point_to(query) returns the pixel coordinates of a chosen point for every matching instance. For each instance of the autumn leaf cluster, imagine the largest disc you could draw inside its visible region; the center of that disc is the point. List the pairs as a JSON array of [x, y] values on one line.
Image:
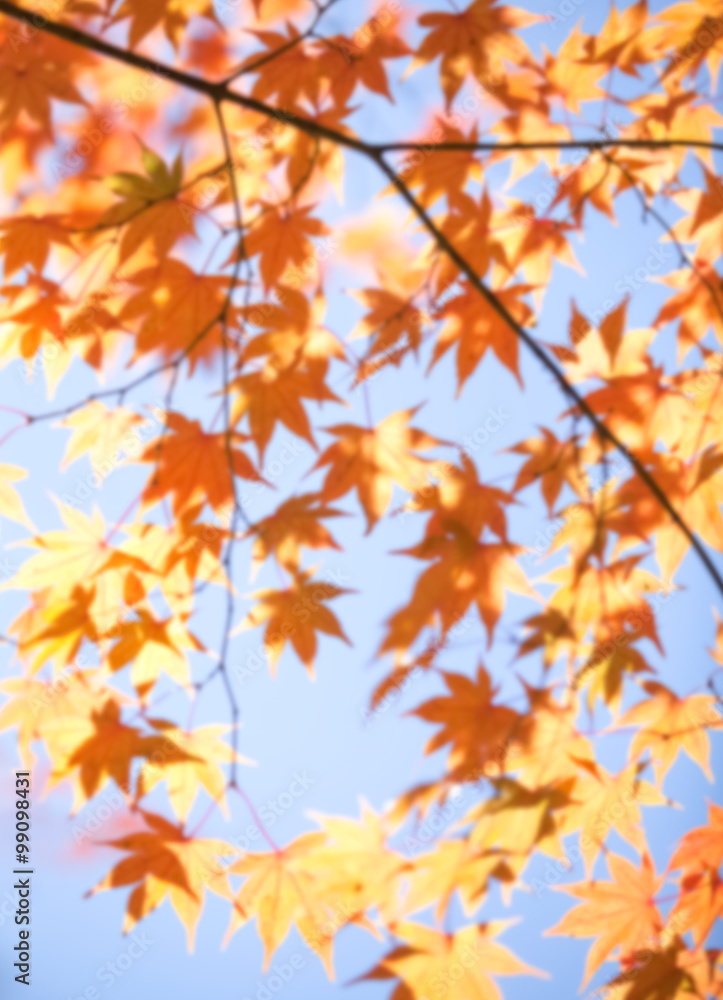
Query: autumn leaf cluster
[[172, 179]]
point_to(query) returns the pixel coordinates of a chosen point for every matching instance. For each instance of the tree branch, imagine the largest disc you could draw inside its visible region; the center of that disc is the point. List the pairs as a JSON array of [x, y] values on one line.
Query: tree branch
[[568, 389], [219, 92]]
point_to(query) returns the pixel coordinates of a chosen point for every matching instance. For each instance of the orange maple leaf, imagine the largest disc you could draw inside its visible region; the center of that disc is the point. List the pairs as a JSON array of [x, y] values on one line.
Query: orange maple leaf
[[295, 615], [371, 460], [195, 465], [620, 913]]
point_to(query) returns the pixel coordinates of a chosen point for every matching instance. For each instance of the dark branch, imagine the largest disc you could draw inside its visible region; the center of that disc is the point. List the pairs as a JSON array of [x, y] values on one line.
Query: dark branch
[[219, 92]]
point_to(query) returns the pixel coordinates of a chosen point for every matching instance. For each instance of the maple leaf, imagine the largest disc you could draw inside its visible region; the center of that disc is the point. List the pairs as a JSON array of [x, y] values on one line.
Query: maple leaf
[[275, 395], [320, 882], [553, 463], [291, 75], [392, 317], [10, 503], [178, 556], [193, 761], [36, 322], [693, 305], [81, 552], [682, 28], [589, 183], [295, 615], [174, 14], [101, 433], [167, 863], [469, 226], [670, 973], [531, 244], [702, 846], [453, 866], [98, 747], [567, 75], [27, 239], [549, 631], [294, 336], [592, 356], [31, 75], [529, 124], [476, 40], [176, 309], [149, 209], [439, 173], [426, 958], [604, 669], [516, 821], [610, 598], [55, 629], [195, 465], [474, 326], [154, 647], [279, 892], [310, 157], [295, 523], [281, 236], [699, 905], [358, 869], [670, 724], [32, 704], [604, 802], [585, 527], [708, 210], [471, 721], [461, 497], [370, 460], [548, 748], [464, 572], [695, 489], [620, 913], [345, 64], [622, 41]]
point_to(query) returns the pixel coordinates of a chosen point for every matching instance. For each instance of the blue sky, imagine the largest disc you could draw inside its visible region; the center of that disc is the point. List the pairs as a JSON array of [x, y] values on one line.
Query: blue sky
[[292, 726]]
